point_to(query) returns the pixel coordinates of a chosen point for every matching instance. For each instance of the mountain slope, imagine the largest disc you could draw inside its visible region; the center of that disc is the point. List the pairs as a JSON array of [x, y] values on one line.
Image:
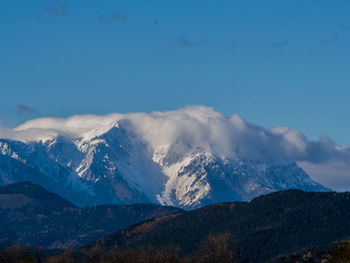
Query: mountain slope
[[31, 215], [268, 226]]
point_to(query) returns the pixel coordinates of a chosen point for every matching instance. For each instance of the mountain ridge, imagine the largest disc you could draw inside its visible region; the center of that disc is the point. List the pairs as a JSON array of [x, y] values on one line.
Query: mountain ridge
[[269, 226], [115, 164]]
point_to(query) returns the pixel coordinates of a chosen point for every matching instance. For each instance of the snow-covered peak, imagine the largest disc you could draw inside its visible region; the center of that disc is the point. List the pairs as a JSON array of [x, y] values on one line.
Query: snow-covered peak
[[189, 157]]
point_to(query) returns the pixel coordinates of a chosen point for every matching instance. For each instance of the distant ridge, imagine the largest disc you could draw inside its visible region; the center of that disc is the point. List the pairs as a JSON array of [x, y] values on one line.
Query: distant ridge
[[31, 215], [35, 192]]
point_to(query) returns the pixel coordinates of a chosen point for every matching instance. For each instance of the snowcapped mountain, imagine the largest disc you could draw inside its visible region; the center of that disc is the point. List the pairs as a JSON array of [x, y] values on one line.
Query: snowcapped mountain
[[113, 160]]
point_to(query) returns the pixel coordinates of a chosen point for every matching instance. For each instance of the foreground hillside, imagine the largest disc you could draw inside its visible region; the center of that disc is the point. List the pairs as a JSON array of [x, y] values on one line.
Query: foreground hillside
[[277, 224], [286, 226], [31, 215]]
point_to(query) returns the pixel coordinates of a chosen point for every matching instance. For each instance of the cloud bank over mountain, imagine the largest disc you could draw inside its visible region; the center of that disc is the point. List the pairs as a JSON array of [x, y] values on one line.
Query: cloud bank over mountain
[[203, 127]]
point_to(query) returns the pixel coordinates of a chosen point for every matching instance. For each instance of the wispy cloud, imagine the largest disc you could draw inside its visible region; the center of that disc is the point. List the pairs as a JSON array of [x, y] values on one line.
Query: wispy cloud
[[234, 46], [343, 27], [102, 19], [185, 42], [278, 44], [12, 20], [118, 17], [332, 39], [113, 17], [57, 8], [26, 110]]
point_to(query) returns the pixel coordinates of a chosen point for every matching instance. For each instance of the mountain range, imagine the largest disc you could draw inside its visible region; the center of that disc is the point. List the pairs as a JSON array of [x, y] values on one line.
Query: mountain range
[[115, 164]]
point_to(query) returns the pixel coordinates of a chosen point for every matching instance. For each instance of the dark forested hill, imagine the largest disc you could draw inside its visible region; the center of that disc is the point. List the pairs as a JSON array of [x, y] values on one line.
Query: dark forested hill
[[31, 215], [279, 223]]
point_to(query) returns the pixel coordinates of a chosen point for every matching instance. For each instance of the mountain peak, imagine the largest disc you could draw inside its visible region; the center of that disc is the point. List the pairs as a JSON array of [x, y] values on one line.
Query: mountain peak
[[187, 158]]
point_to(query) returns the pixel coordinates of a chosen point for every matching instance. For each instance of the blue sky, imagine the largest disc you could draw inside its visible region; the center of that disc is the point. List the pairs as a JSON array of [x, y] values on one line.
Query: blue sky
[[272, 62]]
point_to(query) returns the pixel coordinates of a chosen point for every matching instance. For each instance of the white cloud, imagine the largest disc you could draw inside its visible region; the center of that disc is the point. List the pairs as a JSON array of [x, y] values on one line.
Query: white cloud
[[333, 174], [202, 127]]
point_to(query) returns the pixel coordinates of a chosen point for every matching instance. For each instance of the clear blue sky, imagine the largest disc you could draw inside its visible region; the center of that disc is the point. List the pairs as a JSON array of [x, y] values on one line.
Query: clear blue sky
[[273, 62]]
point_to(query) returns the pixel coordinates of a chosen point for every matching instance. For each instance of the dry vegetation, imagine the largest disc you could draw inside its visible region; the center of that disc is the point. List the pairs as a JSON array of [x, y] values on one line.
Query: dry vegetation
[[214, 248]]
